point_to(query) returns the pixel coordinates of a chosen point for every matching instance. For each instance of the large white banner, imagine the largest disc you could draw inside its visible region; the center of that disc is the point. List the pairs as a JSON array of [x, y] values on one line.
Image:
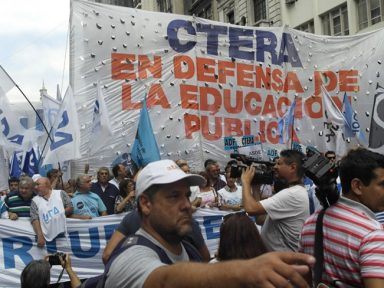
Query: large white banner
[[206, 81], [85, 244]]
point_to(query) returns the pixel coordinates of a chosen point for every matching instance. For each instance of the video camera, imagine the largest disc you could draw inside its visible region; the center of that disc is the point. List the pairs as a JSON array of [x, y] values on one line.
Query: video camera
[[264, 172], [324, 174]]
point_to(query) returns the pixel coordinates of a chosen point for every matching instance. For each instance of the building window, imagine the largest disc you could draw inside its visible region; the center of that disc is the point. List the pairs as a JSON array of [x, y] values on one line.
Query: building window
[[307, 27], [335, 22], [369, 12], [165, 5], [231, 17], [260, 10], [206, 12]]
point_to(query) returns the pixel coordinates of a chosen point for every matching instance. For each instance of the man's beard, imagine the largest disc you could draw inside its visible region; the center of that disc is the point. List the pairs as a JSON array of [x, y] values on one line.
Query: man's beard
[[175, 235]]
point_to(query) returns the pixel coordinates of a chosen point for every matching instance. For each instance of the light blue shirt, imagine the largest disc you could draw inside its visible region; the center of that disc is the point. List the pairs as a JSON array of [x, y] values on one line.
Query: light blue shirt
[[88, 204]]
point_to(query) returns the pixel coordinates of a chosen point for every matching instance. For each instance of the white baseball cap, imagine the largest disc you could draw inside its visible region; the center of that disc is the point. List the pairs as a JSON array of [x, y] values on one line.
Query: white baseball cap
[[164, 172], [36, 177]]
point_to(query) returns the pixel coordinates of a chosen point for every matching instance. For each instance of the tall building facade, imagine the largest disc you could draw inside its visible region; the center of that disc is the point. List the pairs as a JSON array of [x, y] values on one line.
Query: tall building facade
[[327, 17]]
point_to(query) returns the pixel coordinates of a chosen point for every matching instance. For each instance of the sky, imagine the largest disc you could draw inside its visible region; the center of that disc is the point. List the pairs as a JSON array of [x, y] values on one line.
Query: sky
[[33, 46]]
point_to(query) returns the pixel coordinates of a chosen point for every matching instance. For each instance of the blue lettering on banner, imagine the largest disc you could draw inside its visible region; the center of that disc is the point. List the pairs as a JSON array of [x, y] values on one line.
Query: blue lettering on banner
[[65, 138], [76, 245], [49, 215], [10, 252], [213, 32], [212, 226], [231, 143], [51, 245], [109, 229], [242, 43], [172, 32], [239, 38], [296, 146], [272, 153]]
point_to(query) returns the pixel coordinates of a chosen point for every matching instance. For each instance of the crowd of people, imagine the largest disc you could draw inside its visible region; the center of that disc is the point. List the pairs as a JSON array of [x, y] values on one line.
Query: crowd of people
[[159, 229]]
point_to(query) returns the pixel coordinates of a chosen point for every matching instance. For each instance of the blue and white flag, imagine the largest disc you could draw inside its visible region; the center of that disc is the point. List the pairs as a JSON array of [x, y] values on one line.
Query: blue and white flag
[[144, 149], [51, 109], [285, 124], [15, 170], [65, 144], [352, 127], [334, 123], [14, 136], [31, 163], [101, 131]]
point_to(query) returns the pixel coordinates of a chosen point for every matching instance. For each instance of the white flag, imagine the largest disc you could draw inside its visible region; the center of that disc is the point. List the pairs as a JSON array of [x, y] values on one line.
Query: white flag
[[334, 122], [65, 144], [6, 82], [4, 171], [101, 125]]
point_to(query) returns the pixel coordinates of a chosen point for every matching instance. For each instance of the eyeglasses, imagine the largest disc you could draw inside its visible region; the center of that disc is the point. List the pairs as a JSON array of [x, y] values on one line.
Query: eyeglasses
[[226, 217]]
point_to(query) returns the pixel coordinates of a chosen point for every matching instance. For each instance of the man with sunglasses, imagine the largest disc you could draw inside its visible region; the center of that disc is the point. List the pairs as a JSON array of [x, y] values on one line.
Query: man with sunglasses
[[285, 211], [162, 192]]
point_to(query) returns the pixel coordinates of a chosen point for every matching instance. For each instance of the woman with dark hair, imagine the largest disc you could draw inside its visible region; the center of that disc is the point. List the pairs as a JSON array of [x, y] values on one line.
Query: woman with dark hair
[[36, 274], [207, 193], [125, 201], [239, 238]]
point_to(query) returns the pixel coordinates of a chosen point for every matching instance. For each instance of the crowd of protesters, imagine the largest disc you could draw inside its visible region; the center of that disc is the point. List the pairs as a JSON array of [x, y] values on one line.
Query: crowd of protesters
[[286, 211]]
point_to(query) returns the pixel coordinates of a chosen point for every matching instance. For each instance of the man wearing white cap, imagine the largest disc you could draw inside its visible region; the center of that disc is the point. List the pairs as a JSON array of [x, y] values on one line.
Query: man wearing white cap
[[162, 191]]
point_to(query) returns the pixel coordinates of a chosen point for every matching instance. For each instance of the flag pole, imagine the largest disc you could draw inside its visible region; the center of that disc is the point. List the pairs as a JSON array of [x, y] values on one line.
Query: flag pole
[[293, 122]]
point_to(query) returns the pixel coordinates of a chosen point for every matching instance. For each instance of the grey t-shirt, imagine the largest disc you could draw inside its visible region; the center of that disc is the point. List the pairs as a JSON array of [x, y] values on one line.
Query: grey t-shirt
[[133, 266], [286, 214]]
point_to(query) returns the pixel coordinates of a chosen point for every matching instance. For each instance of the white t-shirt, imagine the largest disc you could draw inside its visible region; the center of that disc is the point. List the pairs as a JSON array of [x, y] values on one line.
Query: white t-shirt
[[51, 215], [286, 213], [231, 198]]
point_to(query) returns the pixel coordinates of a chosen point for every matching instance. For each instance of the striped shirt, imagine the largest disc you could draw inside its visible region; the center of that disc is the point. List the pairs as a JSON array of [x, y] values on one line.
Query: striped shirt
[[380, 217], [353, 243], [16, 204]]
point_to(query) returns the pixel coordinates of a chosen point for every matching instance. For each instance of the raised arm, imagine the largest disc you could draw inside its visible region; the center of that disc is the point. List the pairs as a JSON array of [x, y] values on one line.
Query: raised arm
[[251, 204], [269, 270]]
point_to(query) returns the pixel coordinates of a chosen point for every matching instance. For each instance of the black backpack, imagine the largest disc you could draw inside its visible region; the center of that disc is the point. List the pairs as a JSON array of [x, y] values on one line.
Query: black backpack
[[130, 241]]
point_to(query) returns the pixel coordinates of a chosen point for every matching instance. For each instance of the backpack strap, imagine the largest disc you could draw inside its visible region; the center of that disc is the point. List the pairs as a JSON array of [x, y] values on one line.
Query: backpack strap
[[130, 241], [193, 254]]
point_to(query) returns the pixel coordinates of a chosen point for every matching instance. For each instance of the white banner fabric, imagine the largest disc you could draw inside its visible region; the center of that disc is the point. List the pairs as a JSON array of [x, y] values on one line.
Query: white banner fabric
[[85, 244], [207, 80]]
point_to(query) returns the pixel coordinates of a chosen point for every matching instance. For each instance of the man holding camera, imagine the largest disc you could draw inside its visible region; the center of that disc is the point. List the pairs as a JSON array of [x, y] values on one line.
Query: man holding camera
[[285, 211], [352, 241]]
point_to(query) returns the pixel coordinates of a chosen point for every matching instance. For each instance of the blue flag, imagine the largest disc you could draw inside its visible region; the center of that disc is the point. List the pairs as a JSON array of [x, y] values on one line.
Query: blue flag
[[15, 170], [144, 149], [285, 124], [31, 163]]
